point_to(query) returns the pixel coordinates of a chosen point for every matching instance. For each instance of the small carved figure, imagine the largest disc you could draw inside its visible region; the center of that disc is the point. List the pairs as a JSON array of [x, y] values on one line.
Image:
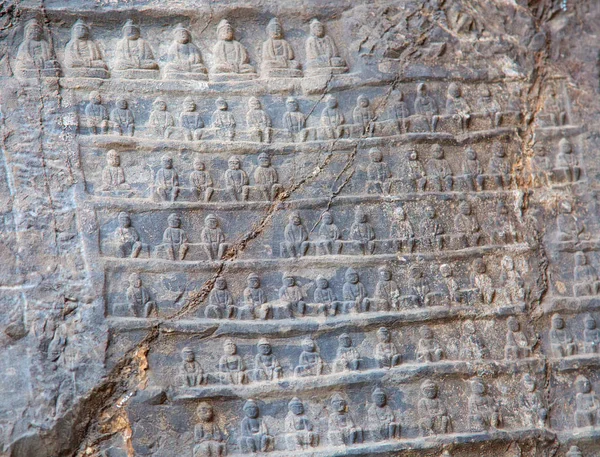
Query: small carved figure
[[329, 236], [418, 289], [201, 181], [220, 302], [401, 231], [332, 119], [387, 292], [190, 371], [426, 106], [431, 231], [236, 180], [258, 121], [439, 173], [587, 404], [133, 52], [386, 352], [231, 365], [295, 237], [254, 433], [472, 346], [96, 114], [278, 58], [455, 294], [569, 227], [266, 365], [166, 182], [255, 299], [382, 420], [567, 162], [433, 415], [291, 294], [466, 226], [428, 349], [223, 121], [483, 410], [503, 228], [354, 293], [175, 240], [310, 362], [213, 238], [294, 121], [35, 56], [126, 238], [517, 346], [83, 55], [321, 52], [513, 286], [300, 433], [363, 116], [347, 357], [113, 176], [499, 167], [585, 277], [266, 178], [139, 299], [532, 405], [161, 121], [490, 108], [208, 437], [362, 232], [230, 55], [183, 55], [378, 174], [342, 429], [122, 118], [561, 339], [541, 168], [401, 111], [591, 335], [325, 296], [190, 120], [472, 171], [415, 172], [554, 107], [457, 107], [482, 282]]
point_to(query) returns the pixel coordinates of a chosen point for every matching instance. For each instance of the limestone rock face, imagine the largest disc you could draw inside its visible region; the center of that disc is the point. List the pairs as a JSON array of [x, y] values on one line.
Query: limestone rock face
[[299, 228]]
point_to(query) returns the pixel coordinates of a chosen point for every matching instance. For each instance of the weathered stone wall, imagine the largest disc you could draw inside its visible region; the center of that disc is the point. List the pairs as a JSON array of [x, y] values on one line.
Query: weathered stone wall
[[321, 228]]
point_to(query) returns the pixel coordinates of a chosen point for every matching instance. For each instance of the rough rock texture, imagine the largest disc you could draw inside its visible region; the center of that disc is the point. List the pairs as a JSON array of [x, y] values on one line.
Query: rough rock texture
[[326, 228]]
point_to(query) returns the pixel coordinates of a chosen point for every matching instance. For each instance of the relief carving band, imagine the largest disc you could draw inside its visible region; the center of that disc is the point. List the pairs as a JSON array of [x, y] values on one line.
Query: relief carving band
[[328, 228]]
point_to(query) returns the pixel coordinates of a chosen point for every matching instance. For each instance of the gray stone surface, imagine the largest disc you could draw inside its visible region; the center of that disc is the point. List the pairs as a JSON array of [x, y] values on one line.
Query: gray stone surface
[[317, 228]]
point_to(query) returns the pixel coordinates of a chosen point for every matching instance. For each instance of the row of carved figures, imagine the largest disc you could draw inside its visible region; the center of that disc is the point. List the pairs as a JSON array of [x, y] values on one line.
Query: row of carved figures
[[299, 431], [134, 57], [292, 300], [333, 124]]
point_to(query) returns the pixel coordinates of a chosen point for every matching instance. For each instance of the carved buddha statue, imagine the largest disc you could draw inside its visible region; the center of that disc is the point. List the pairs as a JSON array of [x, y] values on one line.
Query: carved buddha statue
[[184, 58], [35, 56], [322, 53], [82, 55], [230, 56], [278, 58]]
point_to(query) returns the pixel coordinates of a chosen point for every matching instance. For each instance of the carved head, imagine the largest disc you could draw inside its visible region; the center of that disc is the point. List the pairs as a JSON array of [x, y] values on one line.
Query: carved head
[[415, 272], [181, 34], [254, 103], [205, 412], [33, 30], [589, 322], [564, 146], [124, 219], [130, 30], [454, 90], [331, 102], [426, 333], [122, 103], [508, 264], [430, 212], [288, 279], [558, 322], [338, 404], [198, 164], [565, 207], [264, 160], [225, 30], [113, 158], [583, 384], [412, 155], [513, 324], [322, 282], [485, 92], [135, 280], [187, 354], [399, 213], [399, 95], [379, 397], [499, 150], [477, 386], [264, 347], [437, 151], [383, 335], [80, 30], [167, 162], [580, 259], [429, 389], [375, 155], [422, 89], [351, 276], [345, 340], [211, 221], [468, 327], [465, 208], [253, 281], [362, 101], [174, 221], [221, 104], [479, 266], [296, 406], [308, 345], [159, 104], [385, 274], [189, 105], [529, 382], [275, 29], [471, 154], [316, 28], [233, 163], [446, 270], [251, 409], [501, 208], [221, 283], [95, 97], [229, 347], [327, 218], [360, 215], [292, 104], [295, 218]]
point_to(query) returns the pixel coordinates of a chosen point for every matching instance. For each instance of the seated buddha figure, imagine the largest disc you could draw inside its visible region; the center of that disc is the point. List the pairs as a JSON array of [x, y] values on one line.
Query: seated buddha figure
[[230, 55], [277, 54], [82, 55], [135, 58], [35, 56], [321, 52], [184, 57]]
